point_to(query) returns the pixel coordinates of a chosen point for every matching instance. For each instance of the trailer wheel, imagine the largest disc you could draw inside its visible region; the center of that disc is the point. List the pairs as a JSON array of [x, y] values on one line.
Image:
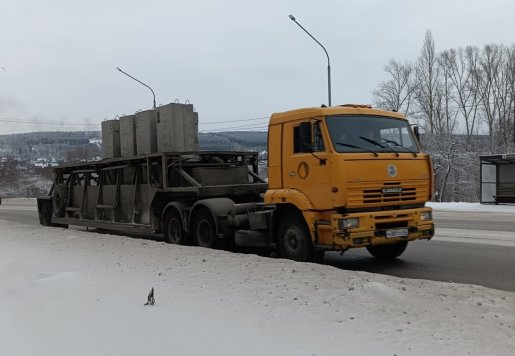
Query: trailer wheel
[[173, 228], [46, 214], [204, 229], [59, 199], [387, 252], [294, 238]]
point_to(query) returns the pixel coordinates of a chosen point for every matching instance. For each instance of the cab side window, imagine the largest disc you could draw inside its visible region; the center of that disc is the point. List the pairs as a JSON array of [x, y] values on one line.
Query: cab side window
[[317, 141]]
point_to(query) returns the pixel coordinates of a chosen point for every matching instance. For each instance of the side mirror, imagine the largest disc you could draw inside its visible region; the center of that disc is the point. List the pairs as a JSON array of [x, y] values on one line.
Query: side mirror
[[305, 137], [416, 132]]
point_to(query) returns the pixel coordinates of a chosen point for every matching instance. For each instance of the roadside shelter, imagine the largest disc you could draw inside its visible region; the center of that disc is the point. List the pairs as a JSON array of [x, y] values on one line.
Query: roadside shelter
[[497, 174]]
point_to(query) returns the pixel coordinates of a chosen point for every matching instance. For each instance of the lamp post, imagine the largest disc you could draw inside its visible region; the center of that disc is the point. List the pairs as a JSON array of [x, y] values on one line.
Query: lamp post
[[139, 81], [328, 62]]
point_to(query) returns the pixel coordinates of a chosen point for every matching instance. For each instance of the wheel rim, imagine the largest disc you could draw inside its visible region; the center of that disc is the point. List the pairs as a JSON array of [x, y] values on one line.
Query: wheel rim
[[294, 241], [174, 231], [204, 233]]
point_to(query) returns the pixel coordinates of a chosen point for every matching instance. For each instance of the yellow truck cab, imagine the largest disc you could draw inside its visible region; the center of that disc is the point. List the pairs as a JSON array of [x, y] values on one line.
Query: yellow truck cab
[[347, 176]]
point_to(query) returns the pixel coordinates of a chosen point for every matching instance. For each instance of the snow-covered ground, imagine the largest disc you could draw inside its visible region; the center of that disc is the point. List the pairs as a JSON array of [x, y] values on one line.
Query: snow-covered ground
[[473, 207], [68, 292]]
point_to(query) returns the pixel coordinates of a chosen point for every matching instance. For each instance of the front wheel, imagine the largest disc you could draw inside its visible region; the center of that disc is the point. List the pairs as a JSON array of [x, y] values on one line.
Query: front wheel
[[388, 252], [294, 238]]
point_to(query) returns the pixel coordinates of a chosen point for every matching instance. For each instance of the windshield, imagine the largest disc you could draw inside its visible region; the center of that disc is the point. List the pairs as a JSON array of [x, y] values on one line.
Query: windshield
[[361, 133]]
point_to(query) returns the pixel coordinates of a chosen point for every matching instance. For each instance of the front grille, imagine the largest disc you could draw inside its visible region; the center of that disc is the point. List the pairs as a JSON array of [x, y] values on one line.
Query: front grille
[[390, 193], [380, 196]]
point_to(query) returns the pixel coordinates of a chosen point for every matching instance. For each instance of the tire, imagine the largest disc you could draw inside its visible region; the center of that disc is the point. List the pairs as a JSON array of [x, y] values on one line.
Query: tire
[[388, 252], [46, 214], [59, 200], [204, 229], [173, 228], [294, 238]]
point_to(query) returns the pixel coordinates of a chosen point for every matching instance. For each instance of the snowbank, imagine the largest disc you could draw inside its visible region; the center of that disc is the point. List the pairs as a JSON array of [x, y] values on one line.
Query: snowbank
[[65, 292]]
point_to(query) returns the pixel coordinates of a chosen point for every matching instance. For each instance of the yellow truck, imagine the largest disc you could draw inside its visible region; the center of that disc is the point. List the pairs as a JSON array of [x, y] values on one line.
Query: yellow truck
[[339, 177], [344, 177]]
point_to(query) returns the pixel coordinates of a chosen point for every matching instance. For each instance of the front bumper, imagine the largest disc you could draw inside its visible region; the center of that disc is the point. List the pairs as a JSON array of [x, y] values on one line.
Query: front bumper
[[382, 227]]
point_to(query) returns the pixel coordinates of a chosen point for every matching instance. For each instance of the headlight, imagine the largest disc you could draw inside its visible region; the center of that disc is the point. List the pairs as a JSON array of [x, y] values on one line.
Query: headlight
[[350, 223], [426, 216]]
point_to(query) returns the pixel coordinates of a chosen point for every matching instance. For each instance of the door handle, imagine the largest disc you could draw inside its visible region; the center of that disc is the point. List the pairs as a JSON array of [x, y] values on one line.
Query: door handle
[[292, 174]]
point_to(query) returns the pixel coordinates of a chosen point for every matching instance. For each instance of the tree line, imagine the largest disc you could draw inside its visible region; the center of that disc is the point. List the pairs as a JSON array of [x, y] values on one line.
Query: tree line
[[464, 101]]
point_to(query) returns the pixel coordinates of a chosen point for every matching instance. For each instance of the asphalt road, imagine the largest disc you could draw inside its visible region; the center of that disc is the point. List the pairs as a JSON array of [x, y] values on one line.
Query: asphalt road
[[475, 221], [471, 263]]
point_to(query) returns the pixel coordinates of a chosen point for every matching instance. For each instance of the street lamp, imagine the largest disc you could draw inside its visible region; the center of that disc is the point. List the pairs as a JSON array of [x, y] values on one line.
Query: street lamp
[[328, 62], [139, 81]]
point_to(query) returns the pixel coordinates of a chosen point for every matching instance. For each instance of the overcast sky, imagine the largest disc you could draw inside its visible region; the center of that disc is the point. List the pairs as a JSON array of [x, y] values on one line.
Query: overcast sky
[[233, 59]]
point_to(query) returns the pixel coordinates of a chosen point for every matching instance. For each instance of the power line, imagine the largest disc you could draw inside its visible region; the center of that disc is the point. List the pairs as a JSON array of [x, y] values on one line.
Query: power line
[[228, 121], [232, 129], [64, 123], [44, 123]]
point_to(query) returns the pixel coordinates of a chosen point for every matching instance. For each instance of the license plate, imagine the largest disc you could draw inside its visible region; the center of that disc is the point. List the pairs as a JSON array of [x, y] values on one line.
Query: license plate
[[396, 233]]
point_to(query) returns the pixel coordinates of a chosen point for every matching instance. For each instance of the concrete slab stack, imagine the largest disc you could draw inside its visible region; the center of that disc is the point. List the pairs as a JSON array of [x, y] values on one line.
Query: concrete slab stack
[[111, 139], [128, 136], [170, 128]]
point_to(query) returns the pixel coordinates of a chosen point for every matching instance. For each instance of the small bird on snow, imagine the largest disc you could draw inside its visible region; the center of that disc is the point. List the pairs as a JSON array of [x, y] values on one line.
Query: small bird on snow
[[150, 298]]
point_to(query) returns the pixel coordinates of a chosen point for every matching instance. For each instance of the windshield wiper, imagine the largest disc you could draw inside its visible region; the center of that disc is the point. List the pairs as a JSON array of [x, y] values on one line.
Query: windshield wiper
[[374, 142], [359, 148], [398, 144]]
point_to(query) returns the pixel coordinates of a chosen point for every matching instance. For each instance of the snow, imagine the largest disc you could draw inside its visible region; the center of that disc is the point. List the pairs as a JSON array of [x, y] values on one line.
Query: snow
[[472, 207], [71, 292]]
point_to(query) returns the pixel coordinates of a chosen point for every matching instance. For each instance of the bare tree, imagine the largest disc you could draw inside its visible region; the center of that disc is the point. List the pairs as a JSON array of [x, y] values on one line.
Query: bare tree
[[396, 93], [427, 73], [459, 67], [456, 95], [489, 66]]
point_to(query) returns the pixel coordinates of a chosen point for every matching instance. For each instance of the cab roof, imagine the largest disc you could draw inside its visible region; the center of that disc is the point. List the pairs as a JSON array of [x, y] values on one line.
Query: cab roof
[[347, 109]]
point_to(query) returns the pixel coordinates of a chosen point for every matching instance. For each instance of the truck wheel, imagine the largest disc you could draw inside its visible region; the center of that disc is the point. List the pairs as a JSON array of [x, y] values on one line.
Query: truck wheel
[[59, 199], [204, 229], [387, 252], [46, 214], [173, 228], [294, 239]]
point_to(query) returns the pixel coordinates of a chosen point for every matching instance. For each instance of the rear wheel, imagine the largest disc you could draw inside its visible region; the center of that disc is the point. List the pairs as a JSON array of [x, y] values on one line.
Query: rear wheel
[[59, 199], [173, 228], [204, 229], [46, 214], [294, 238], [387, 252]]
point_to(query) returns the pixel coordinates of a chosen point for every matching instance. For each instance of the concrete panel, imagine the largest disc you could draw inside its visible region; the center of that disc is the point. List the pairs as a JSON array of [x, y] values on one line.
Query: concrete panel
[[146, 134], [128, 136], [177, 128], [191, 132], [111, 139]]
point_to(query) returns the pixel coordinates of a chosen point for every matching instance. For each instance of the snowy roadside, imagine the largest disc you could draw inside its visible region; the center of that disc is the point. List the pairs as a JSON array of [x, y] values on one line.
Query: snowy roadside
[[498, 238], [464, 207], [65, 292], [472, 207]]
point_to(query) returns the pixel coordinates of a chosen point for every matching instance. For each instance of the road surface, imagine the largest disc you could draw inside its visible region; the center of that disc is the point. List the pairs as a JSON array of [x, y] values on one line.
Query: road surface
[[469, 247]]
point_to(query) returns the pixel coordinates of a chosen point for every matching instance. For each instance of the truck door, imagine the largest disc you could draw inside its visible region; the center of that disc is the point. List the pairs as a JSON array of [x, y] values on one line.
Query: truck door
[[306, 167]]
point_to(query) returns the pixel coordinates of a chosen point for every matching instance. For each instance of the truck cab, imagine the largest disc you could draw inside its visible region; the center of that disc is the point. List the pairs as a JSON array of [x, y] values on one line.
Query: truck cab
[[347, 176]]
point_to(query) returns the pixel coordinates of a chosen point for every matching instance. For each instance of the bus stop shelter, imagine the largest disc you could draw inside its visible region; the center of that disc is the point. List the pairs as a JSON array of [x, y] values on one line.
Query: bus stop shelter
[[497, 178]]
